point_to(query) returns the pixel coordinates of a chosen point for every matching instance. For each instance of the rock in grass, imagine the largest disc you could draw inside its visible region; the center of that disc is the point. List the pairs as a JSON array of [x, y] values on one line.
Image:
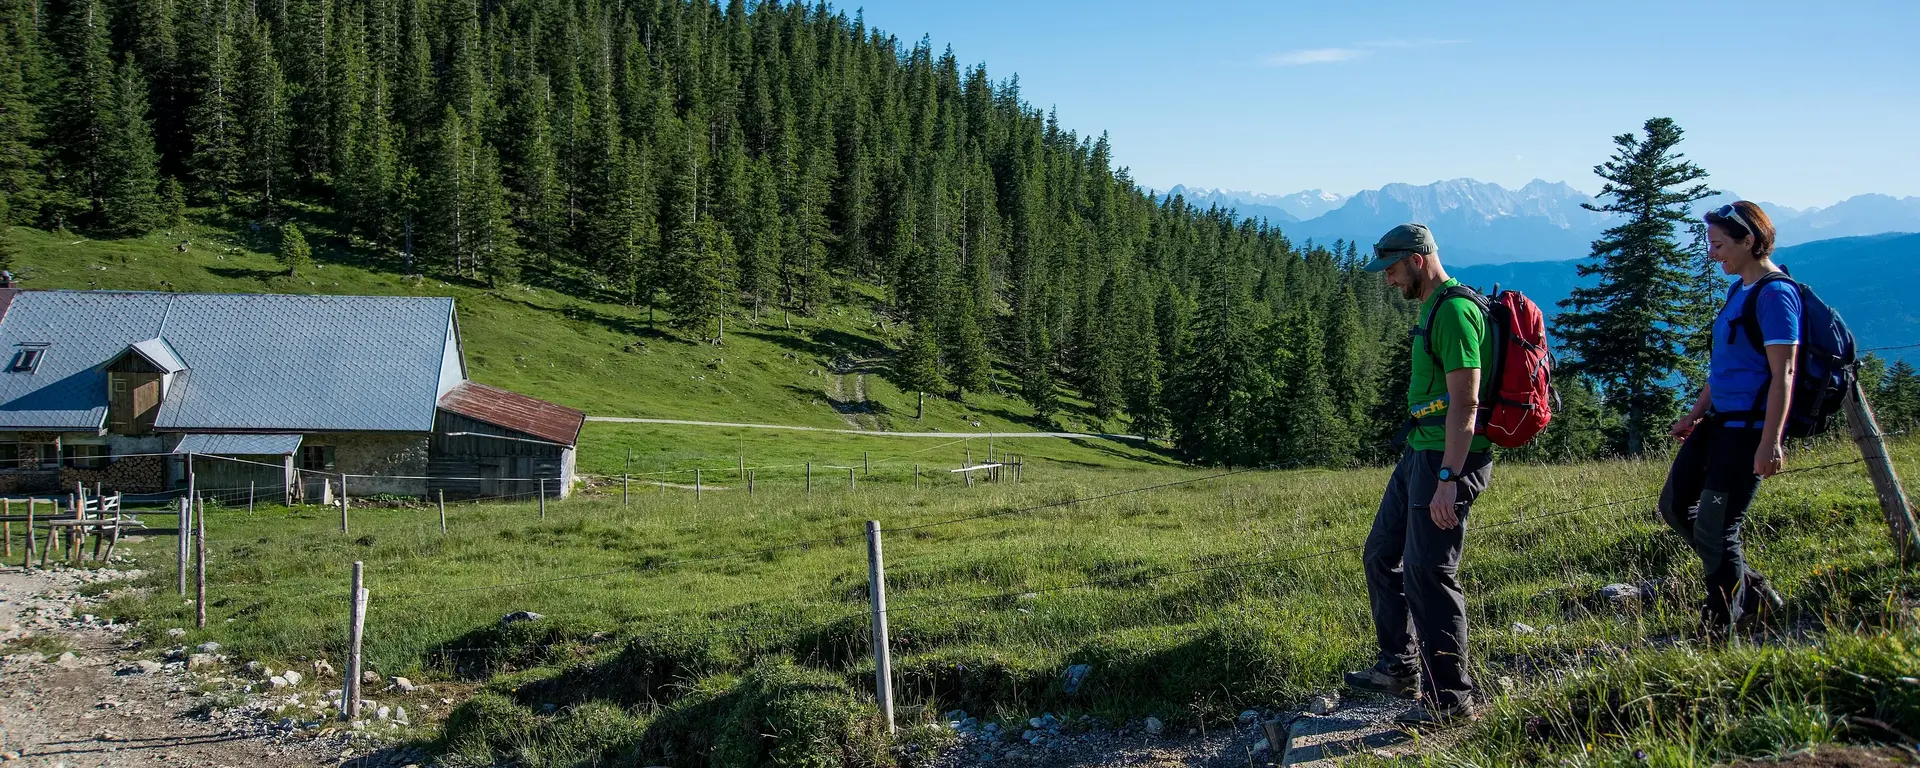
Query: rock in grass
[[1323, 704], [404, 685], [1523, 629], [321, 667], [176, 632], [67, 661], [199, 660], [520, 616], [209, 647], [1154, 726], [1250, 717], [277, 681], [1620, 595], [1076, 675], [292, 677]]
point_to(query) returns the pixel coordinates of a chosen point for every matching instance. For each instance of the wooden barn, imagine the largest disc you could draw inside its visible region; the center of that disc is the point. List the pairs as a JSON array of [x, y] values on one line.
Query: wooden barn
[[294, 394], [489, 442]]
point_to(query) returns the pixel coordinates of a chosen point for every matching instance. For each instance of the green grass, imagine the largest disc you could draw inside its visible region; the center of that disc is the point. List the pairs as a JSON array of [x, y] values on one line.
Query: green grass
[[1191, 602], [650, 658]]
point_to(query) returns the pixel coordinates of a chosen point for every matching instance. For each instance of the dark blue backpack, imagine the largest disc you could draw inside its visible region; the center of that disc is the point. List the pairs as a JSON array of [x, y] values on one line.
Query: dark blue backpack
[[1824, 368]]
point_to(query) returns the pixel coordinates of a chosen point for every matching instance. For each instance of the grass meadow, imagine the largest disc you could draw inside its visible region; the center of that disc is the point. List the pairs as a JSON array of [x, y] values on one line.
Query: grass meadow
[[672, 634]]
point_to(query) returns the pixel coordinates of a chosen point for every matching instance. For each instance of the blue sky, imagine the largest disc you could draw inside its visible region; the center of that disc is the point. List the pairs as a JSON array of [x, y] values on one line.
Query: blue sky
[[1793, 103]]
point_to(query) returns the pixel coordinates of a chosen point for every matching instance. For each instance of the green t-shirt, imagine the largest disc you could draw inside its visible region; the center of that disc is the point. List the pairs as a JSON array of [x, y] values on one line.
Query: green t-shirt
[[1459, 335]]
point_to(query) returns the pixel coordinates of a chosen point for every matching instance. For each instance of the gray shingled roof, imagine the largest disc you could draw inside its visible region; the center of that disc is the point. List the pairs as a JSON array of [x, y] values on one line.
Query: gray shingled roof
[[248, 444], [254, 361]]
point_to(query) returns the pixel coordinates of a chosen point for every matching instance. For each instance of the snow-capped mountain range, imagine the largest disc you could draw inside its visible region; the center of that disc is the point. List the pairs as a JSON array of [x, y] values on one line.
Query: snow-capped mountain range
[[1483, 223]]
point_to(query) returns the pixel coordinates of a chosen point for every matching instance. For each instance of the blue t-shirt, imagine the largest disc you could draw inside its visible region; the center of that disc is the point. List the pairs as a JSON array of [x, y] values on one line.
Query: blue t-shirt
[[1738, 375]]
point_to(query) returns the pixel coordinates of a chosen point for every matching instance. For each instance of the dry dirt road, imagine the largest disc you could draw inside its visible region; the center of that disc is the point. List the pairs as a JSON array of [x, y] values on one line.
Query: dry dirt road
[[73, 695]]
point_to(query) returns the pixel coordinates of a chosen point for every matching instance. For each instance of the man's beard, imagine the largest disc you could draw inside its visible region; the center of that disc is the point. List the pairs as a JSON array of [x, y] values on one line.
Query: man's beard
[[1410, 291]]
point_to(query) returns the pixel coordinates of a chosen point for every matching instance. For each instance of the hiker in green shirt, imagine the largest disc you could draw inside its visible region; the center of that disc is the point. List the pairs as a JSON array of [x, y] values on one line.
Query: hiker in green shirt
[[1412, 555]]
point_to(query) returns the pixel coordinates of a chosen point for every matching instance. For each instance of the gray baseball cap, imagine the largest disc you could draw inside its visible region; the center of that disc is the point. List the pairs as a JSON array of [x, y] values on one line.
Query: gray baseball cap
[[1400, 241]]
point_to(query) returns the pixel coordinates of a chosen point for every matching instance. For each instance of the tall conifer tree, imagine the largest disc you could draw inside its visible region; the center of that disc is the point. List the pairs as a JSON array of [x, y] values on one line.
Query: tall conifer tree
[[1631, 332]]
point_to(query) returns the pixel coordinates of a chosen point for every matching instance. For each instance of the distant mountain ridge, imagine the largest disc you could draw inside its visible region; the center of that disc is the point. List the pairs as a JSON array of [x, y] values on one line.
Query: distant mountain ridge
[[1480, 222], [1865, 278]]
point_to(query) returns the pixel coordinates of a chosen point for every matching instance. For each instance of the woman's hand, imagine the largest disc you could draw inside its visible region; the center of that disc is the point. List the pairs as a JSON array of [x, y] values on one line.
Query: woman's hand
[[1768, 460], [1684, 427]]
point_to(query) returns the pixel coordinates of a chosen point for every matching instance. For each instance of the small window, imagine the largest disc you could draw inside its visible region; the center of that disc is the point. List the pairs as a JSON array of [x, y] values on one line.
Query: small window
[[10, 456], [316, 458], [81, 456], [29, 357]]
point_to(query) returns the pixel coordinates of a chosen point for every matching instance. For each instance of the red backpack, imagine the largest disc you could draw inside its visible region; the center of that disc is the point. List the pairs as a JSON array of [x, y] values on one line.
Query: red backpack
[[1516, 389]]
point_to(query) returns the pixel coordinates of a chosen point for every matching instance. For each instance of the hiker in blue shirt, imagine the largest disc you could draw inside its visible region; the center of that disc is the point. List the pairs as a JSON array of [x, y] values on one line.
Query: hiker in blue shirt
[[1732, 435]]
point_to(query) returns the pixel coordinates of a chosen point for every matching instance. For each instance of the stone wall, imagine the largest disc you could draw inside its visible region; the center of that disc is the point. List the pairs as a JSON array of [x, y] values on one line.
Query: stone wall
[[377, 453]]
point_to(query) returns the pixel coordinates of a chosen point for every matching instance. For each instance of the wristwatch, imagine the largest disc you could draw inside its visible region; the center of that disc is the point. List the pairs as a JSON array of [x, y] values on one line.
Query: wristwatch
[[1448, 476]]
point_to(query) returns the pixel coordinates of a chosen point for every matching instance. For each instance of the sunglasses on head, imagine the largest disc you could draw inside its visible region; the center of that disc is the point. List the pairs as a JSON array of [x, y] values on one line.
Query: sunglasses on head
[[1731, 212]]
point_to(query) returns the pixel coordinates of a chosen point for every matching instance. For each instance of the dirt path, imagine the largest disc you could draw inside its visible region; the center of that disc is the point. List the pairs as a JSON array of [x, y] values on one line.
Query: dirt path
[[1361, 727], [88, 703]]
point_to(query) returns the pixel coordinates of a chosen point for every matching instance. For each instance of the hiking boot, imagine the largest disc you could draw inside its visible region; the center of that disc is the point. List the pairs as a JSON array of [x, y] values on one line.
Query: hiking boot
[[1753, 601], [1372, 680], [1426, 715]]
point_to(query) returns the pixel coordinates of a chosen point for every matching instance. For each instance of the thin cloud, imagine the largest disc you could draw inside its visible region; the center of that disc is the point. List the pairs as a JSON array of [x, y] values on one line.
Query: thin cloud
[[1307, 56], [1313, 56]]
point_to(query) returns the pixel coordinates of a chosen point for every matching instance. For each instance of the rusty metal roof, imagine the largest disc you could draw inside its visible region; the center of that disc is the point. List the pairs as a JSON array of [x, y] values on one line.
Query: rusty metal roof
[[515, 411]]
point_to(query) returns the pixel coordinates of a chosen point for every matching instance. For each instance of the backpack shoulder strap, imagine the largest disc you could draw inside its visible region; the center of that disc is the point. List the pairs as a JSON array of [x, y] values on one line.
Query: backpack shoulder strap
[[1749, 320], [1425, 329]]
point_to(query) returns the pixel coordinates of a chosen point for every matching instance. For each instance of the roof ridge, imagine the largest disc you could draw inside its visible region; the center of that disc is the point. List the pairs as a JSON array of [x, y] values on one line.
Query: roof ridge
[[97, 292]]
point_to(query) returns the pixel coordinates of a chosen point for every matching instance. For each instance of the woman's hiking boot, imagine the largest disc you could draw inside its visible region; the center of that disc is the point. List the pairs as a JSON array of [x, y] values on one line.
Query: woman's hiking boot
[[1372, 680], [1752, 602]]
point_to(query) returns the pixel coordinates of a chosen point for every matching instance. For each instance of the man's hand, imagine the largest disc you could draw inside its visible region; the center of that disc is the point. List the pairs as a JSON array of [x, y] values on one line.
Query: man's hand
[[1684, 427], [1441, 508], [1769, 458]]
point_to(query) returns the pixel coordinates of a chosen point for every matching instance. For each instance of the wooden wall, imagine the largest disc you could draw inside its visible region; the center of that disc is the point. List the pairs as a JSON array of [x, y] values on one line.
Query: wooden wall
[[466, 466]]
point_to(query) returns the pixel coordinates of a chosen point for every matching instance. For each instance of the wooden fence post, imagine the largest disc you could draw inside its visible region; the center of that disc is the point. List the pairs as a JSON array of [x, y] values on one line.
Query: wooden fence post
[[250, 498], [626, 480], [27, 561], [8, 505], [749, 482], [356, 629], [343, 502], [186, 537], [866, 462], [850, 483], [809, 477], [916, 477], [696, 484], [441, 494], [200, 567], [882, 651], [543, 498], [1886, 484]]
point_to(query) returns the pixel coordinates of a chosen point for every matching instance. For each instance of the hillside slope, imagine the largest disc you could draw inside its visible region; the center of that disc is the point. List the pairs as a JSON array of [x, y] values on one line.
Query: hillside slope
[[829, 371]]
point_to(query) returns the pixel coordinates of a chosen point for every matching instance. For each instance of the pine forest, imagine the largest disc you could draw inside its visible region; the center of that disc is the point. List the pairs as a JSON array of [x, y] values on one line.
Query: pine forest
[[748, 162]]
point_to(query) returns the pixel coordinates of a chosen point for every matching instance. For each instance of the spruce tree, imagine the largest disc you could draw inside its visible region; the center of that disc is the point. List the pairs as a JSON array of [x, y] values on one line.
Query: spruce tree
[[261, 111], [294, 251], [8, 250], [919, 365], [215, 126], [130, 165], [1631, 332], [1897, 403], [1310, 428], [81, 119], [20, 176]]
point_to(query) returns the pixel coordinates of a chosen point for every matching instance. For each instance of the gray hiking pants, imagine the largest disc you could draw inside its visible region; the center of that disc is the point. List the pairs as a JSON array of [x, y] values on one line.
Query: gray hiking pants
[[1413, 576]]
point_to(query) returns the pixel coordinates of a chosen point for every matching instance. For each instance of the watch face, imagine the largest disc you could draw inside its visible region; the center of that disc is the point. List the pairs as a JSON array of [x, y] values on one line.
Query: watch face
[[1446, 474]]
